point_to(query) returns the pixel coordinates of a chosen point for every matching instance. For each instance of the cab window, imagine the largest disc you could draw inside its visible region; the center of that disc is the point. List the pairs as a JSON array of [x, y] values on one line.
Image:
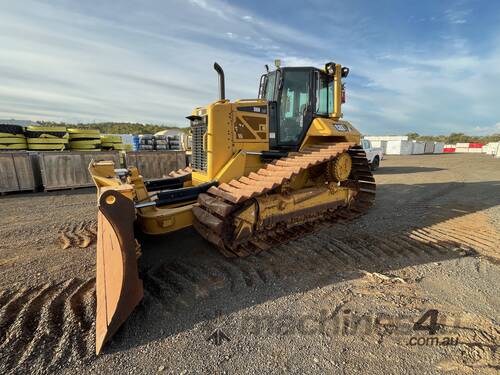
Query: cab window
[[270, 85], [293, 105], [324, 94]]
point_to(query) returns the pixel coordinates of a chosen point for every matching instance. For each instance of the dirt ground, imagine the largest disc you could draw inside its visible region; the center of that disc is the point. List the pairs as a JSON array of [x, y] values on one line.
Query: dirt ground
[[343, 300]]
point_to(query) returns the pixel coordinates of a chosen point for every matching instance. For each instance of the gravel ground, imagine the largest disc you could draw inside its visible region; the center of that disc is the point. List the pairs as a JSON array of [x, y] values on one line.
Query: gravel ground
[[343, 300]]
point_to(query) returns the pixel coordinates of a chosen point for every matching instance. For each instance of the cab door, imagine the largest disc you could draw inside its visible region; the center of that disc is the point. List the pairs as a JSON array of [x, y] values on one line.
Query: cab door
[[291, 114]]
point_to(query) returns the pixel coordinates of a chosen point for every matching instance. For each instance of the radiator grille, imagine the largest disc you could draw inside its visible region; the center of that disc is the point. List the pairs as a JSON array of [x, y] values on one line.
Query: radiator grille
[[199, 157]]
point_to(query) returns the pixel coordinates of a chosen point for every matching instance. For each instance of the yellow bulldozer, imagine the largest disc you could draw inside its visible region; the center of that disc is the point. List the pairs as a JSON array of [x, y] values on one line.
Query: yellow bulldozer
[[263, 172]]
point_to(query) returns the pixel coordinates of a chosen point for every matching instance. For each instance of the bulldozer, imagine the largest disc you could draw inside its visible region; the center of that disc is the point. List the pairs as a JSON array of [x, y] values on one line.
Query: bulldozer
[[263, 172]]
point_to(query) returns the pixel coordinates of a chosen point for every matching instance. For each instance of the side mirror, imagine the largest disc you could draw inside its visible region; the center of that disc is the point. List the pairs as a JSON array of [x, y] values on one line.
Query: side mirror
[[262, 86]]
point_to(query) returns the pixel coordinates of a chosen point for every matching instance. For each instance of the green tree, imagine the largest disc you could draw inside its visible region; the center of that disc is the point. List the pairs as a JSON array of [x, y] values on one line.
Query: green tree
[[118, 127], [412, 136]]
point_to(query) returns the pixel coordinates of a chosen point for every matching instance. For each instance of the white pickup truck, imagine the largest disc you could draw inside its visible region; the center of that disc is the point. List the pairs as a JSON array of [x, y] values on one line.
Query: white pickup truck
[[373, 154]]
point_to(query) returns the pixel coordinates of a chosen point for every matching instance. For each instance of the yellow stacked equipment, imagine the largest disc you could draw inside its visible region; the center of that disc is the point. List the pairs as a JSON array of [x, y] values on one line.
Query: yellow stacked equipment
[[12, 137], [114, 142], [84, 139], [46, 138]]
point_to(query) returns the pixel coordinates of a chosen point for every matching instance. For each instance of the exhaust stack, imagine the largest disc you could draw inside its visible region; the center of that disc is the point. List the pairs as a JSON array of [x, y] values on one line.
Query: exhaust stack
[[222, 87]]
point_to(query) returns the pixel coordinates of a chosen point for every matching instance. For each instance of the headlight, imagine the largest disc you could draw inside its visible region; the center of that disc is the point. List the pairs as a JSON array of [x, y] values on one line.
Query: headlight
[[330, 68]]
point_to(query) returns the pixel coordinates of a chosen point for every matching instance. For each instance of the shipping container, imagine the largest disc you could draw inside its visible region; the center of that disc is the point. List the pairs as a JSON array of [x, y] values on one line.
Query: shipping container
[[386, 138], [19, 171], [462, 145], [399, 147], [438, 147], [461, 149], [418, 147], [429, 147], [449, 149], [381, 144], [491, 148]]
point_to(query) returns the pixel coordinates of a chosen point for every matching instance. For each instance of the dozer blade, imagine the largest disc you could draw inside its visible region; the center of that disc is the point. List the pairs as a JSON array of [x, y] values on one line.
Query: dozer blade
[[118, 286]]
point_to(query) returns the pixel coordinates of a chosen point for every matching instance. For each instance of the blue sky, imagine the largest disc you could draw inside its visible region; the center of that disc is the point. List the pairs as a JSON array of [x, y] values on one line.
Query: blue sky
[[427, 66]]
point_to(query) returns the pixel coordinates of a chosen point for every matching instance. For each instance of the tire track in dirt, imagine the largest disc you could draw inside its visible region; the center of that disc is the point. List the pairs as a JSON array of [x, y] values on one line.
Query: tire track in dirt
[[44, 332], [469, 234], [178, 284], [5, 296], [181, 284], [478, 343], [11, 309], [26, 323], [80, 235], [184, 284], [48, 325]]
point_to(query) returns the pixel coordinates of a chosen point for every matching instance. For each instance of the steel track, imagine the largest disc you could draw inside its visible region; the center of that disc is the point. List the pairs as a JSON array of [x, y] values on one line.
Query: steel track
[[216, 210]]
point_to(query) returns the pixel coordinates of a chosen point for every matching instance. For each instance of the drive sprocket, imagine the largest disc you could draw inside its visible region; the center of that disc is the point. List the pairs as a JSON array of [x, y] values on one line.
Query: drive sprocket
[[339, 169]]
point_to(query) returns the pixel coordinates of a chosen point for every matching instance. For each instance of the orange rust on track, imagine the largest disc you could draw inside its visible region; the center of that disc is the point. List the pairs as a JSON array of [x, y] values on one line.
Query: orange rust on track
[[214, 223]]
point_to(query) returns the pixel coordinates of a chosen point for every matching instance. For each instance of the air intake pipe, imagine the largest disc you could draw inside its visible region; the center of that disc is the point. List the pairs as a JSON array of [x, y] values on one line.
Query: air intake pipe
[[222, 86]]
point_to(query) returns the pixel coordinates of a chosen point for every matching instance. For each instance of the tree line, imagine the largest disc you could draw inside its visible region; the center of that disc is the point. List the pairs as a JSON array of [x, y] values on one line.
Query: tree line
[[455, 138], [117, 127], [137, 128]]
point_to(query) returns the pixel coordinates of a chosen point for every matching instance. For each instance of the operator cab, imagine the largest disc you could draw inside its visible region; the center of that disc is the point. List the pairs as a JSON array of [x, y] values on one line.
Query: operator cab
[[295, 97]]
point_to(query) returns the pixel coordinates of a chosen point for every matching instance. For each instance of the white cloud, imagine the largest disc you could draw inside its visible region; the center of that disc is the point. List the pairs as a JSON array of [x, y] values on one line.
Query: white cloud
[[486, 130], [104, 69], [288, 60], [206, 6], [457, 16], [86, 61]]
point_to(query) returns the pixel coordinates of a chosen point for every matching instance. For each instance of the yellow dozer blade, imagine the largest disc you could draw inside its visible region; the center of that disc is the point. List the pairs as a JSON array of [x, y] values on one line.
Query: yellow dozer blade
[[118, 287]]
